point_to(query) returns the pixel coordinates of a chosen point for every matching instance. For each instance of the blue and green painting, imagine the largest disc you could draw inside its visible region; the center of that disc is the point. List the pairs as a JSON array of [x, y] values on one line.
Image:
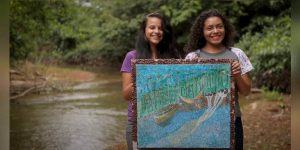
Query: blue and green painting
[[183, 105]]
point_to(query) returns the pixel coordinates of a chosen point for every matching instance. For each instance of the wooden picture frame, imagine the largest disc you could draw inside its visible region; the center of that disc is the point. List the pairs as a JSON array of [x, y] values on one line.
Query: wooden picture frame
[[183, 103]]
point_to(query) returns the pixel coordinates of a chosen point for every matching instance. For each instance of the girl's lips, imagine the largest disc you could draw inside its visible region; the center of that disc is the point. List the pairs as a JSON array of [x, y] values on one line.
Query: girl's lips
[[156, 37], [215, 38]]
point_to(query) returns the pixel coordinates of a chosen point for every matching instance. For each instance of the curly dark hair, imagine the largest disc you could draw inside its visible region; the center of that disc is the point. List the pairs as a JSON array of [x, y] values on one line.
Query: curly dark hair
[[165, 48], [196, 37]]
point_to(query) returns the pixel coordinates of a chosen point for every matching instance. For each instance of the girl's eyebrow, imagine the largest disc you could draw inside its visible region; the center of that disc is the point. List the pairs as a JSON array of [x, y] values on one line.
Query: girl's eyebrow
[[216, 24]]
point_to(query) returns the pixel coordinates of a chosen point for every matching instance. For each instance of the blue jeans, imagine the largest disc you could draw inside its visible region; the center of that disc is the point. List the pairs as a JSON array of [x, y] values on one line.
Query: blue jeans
[[239, 134], [129, 135]]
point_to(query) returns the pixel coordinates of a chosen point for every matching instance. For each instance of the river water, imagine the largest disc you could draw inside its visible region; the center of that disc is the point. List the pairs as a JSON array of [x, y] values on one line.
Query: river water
[[90, 116]]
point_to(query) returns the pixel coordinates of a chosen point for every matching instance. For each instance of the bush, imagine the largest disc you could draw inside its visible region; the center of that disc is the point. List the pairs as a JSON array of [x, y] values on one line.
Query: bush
[[269, 52]]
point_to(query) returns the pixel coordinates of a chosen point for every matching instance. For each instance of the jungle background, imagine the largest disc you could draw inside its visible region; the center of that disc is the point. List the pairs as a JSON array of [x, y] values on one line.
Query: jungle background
[[56, 44]]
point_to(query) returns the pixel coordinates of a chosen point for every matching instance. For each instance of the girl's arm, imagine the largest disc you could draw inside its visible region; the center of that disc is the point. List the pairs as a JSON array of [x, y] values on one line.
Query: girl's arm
[[127, 88], [244, 84], [243, 81]]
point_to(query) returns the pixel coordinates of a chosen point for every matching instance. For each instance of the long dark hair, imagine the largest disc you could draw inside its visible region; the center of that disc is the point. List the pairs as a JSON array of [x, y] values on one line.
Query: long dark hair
[[165, 48], [196, 37]]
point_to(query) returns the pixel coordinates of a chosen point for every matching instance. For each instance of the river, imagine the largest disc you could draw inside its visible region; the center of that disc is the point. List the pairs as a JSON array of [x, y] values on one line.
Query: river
[[90, 116]]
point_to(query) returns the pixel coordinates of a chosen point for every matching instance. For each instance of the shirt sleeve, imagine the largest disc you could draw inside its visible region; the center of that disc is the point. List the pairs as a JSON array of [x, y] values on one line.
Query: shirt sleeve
[[245, 63], [126, 66], [191, 56]]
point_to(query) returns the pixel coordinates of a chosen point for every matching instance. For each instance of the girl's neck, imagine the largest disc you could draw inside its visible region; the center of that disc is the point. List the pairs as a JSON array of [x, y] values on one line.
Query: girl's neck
[[213, 48], [153, 51]]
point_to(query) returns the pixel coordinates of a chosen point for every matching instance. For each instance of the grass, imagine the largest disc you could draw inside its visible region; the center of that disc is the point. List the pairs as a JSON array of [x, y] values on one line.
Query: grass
[[272, 95]]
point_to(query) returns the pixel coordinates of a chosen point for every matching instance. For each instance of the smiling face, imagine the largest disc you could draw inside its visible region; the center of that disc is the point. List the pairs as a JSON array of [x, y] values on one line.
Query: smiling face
[[153, 30], [214, 31]]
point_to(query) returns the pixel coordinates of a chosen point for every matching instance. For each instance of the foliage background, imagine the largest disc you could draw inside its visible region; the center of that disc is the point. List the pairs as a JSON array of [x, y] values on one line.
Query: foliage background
[[100, 32]]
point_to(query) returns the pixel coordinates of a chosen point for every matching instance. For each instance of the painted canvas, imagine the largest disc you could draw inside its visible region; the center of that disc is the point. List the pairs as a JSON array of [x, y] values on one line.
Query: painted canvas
[[183, 104]]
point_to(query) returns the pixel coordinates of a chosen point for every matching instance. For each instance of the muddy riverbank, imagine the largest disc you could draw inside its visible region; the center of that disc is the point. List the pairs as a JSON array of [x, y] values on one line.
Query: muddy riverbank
[[26, 78]]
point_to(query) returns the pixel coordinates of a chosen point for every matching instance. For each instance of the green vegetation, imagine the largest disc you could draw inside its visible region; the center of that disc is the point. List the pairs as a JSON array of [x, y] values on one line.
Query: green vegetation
[[271, 54], [97, 32], [272, 95]]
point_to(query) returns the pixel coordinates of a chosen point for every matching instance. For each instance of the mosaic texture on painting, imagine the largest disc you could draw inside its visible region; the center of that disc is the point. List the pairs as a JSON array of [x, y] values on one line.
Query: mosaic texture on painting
[[183, 105]]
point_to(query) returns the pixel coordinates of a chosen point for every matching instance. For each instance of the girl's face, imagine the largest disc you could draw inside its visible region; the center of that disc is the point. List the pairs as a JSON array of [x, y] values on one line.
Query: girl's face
[[214, 31], [153, 30]]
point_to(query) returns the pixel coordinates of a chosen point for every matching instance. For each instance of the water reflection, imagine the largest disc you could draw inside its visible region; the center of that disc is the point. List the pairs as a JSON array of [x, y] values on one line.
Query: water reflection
[[91, 116]]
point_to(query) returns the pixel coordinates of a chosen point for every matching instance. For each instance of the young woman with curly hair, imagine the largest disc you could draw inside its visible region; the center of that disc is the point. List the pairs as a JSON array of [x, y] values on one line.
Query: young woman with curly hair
[[212, 37]]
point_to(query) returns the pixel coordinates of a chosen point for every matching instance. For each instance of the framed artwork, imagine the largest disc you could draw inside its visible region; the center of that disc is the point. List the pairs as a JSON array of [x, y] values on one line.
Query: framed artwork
[[183, 103]]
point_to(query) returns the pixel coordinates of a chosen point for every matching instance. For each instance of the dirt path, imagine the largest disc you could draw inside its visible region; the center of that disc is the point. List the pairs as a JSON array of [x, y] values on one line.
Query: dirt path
[[267, 124]]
